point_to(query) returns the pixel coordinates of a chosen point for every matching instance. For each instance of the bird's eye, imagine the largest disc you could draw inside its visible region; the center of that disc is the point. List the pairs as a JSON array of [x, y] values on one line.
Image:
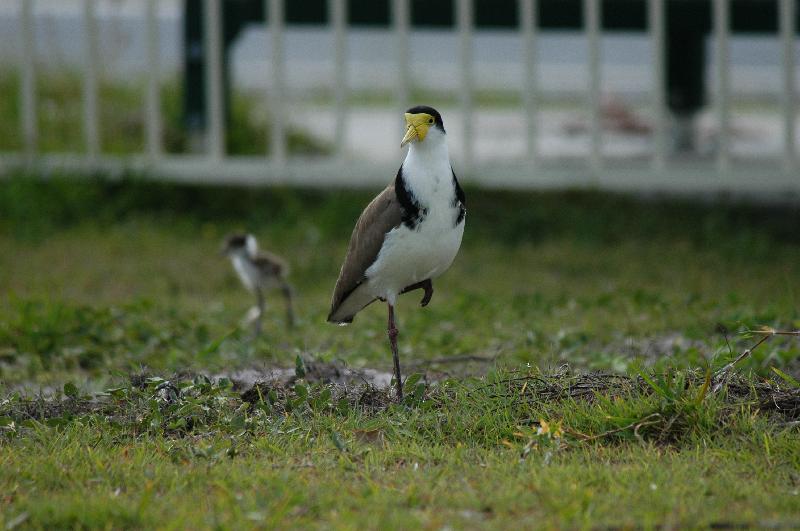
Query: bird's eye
[[430, 120]]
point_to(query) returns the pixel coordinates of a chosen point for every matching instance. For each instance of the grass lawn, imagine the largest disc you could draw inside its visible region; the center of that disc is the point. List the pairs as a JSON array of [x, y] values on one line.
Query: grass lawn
[[116, 305]]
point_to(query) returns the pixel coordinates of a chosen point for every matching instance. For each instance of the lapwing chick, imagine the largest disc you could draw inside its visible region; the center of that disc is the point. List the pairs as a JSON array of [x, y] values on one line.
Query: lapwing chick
[[409, 234], [259, 271]]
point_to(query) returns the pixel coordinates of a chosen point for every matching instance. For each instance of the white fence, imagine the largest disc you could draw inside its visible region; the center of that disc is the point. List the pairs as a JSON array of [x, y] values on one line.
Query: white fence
[[659, 170]]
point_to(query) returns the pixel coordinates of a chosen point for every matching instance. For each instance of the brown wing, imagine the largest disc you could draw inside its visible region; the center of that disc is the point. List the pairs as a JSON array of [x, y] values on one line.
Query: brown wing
[[382, 215], [270, 264]]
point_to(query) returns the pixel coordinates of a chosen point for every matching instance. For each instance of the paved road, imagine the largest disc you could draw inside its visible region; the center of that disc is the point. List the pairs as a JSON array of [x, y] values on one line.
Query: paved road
[[375, 133]]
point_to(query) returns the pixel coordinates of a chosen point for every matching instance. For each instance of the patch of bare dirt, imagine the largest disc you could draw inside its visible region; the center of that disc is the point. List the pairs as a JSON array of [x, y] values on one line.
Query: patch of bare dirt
[[369, 390]]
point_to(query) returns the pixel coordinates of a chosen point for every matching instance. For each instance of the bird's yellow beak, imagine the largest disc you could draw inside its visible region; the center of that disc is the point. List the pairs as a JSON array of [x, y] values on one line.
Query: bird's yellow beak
[[417, 127]]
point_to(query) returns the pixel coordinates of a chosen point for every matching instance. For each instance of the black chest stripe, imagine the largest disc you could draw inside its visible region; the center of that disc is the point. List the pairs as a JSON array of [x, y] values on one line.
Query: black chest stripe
[[413, 214], [460, 200]]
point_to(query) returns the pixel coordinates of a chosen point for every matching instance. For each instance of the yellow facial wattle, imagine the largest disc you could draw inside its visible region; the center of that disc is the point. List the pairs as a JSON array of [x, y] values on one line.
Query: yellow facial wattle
[[417, 127]]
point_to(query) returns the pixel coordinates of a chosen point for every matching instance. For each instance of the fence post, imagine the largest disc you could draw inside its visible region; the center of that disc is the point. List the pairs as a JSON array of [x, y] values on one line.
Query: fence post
[[528, 16], [464, 18], [721, 28], [786, 15], [338, 13], [215, 132], [91, 118], [154, 121], [592, 15], [400, 19], [657, 23], [277, 112], [28, 90]]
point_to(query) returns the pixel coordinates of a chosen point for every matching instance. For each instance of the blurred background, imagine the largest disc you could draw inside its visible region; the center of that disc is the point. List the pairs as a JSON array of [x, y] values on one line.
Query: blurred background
[[686, 96]]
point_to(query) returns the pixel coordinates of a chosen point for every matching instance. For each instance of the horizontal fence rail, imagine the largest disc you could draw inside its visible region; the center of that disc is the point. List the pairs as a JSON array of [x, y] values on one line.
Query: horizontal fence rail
[[664, 169]]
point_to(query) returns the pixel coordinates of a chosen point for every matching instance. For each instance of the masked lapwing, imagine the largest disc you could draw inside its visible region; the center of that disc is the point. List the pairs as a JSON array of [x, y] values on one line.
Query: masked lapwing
[[259, 271], [409, 234]]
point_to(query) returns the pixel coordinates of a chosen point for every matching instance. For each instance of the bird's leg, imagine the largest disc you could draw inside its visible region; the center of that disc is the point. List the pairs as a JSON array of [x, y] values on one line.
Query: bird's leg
[[257, 322], [392, 332], [427, 285], [287, 294]]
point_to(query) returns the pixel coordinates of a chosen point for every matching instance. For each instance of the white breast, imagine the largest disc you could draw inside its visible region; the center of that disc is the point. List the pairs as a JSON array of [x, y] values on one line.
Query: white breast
[[409, 255], [247, 272]]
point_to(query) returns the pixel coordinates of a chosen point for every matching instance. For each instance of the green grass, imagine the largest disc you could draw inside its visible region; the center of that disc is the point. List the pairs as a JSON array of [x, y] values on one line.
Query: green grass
[[448, 465], [104, 285]]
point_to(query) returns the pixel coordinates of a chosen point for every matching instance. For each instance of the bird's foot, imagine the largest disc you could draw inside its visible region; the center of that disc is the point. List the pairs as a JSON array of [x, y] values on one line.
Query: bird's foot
[[428, 287]]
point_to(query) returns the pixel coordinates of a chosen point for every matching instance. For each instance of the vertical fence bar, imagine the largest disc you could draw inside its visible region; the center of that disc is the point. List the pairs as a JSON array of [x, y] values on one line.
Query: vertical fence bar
[[215, 106], [338, 11], [153, 109], [464, 20], [528, 17], [402, 27], [274, 8], [591, 18], [657, 22], [721, 14], [786, 16], [91, 126], [28, 97]]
